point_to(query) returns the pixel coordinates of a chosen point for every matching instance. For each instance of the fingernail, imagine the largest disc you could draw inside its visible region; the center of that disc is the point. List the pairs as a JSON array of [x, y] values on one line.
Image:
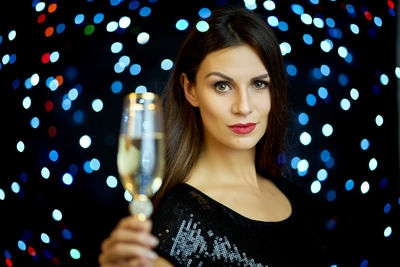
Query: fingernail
[[153, 241], [151, 254]]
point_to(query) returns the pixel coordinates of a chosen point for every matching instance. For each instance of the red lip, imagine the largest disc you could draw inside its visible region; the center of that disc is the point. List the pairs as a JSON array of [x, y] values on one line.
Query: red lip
[[242, 128]]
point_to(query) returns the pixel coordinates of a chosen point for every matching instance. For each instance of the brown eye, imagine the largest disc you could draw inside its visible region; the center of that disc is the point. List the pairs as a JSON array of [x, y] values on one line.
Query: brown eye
[[260, 84], [221, 86]]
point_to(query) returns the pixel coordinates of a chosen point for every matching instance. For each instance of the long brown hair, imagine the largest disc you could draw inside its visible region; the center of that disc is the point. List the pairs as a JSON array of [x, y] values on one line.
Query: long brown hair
[[183, 126]]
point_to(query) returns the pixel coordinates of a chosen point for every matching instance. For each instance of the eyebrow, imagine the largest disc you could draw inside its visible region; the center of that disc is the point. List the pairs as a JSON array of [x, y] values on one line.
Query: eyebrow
[[262, 76]]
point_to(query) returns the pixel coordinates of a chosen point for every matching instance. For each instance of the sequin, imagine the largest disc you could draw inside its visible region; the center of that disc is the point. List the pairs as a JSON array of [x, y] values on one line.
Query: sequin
[[189, 244]]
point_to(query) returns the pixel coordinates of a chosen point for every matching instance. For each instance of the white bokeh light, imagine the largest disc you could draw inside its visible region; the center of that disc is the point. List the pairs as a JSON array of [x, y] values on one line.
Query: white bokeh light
[[85, 141], [143, 38], [305, 138], [124, 22], [364, 187]]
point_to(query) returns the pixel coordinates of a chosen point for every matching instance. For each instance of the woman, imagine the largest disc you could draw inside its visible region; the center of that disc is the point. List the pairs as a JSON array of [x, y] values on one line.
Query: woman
[[223, 201]]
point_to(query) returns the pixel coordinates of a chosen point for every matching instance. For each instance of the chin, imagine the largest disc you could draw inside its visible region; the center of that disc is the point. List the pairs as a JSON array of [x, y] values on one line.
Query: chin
[[239, 144]]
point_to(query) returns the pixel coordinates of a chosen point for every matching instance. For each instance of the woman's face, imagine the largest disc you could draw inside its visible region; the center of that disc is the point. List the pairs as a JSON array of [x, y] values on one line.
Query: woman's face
[[232, 93]]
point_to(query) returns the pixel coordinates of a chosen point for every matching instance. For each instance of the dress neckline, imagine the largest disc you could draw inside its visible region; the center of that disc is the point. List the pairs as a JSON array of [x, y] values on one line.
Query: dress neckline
[[237, 214]]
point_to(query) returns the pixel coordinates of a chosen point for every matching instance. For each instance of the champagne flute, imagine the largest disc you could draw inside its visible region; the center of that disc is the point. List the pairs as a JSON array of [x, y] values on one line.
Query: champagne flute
[[140, 157]]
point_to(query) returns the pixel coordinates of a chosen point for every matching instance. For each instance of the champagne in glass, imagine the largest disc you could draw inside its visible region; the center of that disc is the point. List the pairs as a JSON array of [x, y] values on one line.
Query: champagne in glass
[[140, 157]]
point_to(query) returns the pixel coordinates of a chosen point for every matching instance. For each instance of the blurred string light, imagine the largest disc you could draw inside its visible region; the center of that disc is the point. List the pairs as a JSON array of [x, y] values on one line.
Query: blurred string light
[[98, 18], [57, 215], [97, 105], [327, 130], [349, 185], [128, 197], [145, 11], [273, 21], [345, 104], [364, 187], [124, 22], [20, 146], [112, 26], [85, 141], [11, 35], [397, 72], [285, 47], [305, 138], [75, 254], [388, 231], [67, 179], [135, 69], [303, 118], [111, 181], [143, 38], [202, 26], [364, 144], [379, 120], [322, 175], [373, 164], [250, 4], [45, 172], [322, 92], [166, 64], [204, 13], [182, 24], [315, 187]]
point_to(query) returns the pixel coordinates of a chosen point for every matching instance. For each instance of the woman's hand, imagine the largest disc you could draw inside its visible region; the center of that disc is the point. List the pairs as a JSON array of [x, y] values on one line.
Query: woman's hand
[[129, 244]]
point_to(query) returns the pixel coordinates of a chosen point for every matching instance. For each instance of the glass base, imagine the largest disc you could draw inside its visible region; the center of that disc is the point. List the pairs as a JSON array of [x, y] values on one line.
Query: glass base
[[141, 207]]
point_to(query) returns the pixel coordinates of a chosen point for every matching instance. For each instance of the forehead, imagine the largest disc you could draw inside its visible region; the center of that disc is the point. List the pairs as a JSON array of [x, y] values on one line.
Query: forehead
[[240, 60]]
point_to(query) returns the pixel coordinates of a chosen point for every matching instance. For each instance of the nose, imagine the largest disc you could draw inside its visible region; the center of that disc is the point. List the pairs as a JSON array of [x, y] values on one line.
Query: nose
[[242, 102]]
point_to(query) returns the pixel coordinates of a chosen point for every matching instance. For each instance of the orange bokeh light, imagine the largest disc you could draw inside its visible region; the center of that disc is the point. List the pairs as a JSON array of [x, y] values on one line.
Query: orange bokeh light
[[60, 80], [52, 8], [49, 31]]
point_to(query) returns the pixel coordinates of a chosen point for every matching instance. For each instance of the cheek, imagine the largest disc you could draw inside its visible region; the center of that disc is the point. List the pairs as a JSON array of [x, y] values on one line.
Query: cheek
[[264, 111], [212, 113], [209, 112], [264, 104]]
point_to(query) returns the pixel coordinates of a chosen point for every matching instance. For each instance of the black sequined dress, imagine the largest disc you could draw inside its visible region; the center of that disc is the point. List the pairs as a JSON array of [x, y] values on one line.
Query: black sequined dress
[[196, 230]]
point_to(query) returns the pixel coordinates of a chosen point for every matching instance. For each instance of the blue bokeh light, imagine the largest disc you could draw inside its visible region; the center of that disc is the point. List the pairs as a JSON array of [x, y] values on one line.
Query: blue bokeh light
[[98, 18], [364, 144], [297, 9], [322, 92], [204, 13], [349, 185], [291, 70], [308, 39], [273, 21], [145, 11], [182, 24], [303, 118], [67, 179], [116, 87], [135, 69], [53, 155], [79, 18], [311, 100]]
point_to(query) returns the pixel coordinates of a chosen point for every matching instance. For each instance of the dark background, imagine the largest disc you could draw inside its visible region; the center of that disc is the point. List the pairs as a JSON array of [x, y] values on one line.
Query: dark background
[[351, 225]]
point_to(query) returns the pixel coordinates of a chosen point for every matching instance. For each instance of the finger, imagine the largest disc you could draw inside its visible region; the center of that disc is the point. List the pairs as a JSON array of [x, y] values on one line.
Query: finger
[[131, 223], [124, 251], [129, 236], [131, 263], [140, 262]]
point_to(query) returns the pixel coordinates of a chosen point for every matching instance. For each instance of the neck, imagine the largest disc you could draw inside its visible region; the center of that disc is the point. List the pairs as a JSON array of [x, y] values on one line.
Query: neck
[[221, 165]]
